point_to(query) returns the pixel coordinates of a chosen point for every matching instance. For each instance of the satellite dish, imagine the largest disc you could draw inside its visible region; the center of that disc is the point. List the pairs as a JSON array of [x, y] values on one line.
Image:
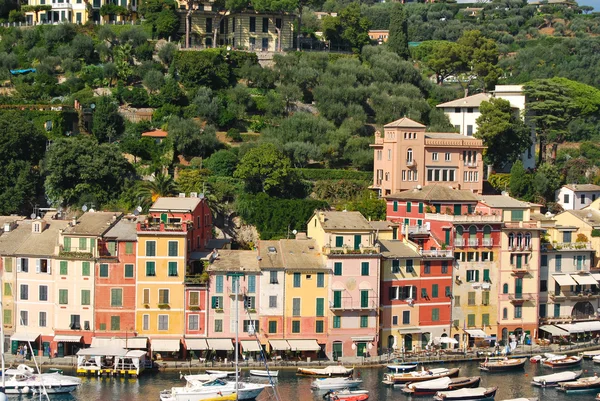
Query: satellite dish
[[84, 208], [33, 216], [294, 232], [92, 106], [92, 210], [136, 212], [139, 209]]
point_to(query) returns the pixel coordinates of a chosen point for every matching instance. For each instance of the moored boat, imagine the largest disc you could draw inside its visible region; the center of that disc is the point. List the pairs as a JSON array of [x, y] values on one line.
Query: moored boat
[[536, 359], [582, 384], [555, 378], [522, 399], [264, 373], [598, 397], [590, 354], [431, 387], [346, 395], [401, 368], [421, 375], [565, 362], [221, 372], [335, 383], [479, 393], [329, 371], [23, 380], [596, 359], [503, 364], [201, 390]]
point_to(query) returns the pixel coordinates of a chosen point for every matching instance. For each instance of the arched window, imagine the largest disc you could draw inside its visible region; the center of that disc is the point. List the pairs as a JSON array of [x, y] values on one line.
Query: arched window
[[505, 313], [519, 240], [472, 231], [505, 288], [487, 231], [511, 240], [391, 341], [528, 240], [409, 155], [459, 231]]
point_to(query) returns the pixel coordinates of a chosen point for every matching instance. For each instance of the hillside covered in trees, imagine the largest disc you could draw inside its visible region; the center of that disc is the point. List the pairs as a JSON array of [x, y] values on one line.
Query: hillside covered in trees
[[294, 135]]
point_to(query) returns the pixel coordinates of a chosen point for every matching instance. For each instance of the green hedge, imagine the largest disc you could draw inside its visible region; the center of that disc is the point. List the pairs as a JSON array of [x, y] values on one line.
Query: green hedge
[[274, 217], [313, 174]]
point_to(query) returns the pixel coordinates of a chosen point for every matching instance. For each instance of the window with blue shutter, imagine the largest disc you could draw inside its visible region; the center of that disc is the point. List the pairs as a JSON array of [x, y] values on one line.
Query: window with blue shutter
[[337, 269], [364, 269], [297, 278], [251, 284], [219, 284]]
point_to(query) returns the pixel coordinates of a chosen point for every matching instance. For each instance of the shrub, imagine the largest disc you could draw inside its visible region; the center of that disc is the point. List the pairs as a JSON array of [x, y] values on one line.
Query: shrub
[[234, 135], [312, 174], [595, 233]]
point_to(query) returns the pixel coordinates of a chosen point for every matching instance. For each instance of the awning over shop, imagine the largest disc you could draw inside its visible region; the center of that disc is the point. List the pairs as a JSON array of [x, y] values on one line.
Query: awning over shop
[[362, 339], [250, 345], [220, 344], [589, 326], [584, 279], [31, 337], [596, 276], [304, 345], [165, 345], [196, 343], [564, 280], [63, 338], [279, 345], [102, 351], [112, 342], [571, 328], [555, 331], [476, 333]]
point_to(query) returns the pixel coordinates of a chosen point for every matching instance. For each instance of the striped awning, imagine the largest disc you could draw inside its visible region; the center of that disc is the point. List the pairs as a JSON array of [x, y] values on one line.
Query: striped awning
[[196, 343], [279, 345], [62, 338], [250, 345]]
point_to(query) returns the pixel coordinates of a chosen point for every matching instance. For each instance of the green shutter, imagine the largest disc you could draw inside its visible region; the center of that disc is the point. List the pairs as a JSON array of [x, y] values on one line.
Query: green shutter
[[85, 297], [320, 307], [319, 326], [485, 319], [364, 298], [63, 297], [471, 320], [173, 248], [435, 315], [150, 269], [116, 297], [115, 323], [7, 289], [337, 299], [273, 326], [420, 207], [85, 268], [67, 245], [103, 270], [64, 270], [434, 291], [82, 244], [297, 279], [408, 207], [486, 274], [128, 271], [251, 284], [365, 268], [337, 268], [219, 284], [129, 248], [320, 280], [364, 321], [337, 322], [395, 206], [172, 269], [339, 241], [150, 248]]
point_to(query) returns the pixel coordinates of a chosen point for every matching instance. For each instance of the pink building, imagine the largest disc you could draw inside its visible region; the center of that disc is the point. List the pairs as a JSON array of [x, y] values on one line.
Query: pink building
[[406, 156], [234, 285]]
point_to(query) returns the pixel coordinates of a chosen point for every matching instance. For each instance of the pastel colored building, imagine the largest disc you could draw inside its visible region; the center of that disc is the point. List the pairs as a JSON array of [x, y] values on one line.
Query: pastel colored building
[[234, 288], [463, 113], [407, 156], [196, 315], [347, 242], [115, 286], [583, 224], [9, 242], [74, 278], [272, 285], [79, 11], [577, 196]]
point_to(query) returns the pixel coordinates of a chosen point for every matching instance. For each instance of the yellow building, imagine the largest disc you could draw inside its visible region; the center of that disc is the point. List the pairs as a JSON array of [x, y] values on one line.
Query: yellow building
[[81, 11], [586, 222], [161, 258]]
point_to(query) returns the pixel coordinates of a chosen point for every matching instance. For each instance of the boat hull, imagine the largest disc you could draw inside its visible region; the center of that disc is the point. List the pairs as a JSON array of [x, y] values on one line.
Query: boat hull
[[337, 386], [489, 395], [22, 390], [549, 382], [400, 379], [264, 373], [571, 387], [559, 364], [417, 392], [323, 373], [499, 367]]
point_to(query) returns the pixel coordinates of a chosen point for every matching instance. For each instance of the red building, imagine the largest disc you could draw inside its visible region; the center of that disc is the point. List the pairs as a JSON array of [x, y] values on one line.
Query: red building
[[115, 283], [196, 293]]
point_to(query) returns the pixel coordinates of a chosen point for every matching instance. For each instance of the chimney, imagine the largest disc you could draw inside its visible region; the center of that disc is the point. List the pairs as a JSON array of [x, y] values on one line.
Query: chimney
[[74, 221], [322, 217], [301, 236]]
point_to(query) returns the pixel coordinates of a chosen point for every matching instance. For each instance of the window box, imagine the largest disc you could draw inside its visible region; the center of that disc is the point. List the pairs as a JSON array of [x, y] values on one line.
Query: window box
[[251, 310], [195, 307], [164, 306], [219, 310], [147, 306]]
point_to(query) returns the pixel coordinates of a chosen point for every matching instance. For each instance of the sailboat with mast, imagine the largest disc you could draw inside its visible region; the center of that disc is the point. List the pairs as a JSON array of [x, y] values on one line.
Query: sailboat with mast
[[217, 389]]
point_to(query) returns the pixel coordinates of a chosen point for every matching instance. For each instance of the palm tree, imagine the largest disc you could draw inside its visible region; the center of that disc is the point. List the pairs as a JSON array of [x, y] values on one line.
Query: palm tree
[[150, 191]]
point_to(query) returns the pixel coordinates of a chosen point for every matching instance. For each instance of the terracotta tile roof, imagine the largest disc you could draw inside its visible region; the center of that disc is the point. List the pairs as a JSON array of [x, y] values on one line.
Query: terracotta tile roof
[[301, 254], [404, 122], [503, 201], [435, 192], [157, 133]]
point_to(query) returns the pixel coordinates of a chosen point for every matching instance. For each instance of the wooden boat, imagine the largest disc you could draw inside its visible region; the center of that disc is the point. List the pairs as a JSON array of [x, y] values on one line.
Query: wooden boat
[[346, 395], [596, 359], [590, 354], [479, 393], [583, 384], [565, 362], [555, 378], [329, 371], [502, 365], [335, 383], [264, 373], [536, 359], [417, 376], [401, 368], [431, 387], [221, 372]]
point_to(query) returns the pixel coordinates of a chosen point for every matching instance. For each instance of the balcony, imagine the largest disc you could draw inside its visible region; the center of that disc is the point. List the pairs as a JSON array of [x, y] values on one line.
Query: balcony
[[487, 242], [350, 304], [515, 247], [520, 298], [470, 164], [411, 163], [162, 227], [567, 246], [418, 230], [240, 290], [437, 253], [62, 6], [558, 297], [74, 253], [522, 269], [581, 296], [347, 251], [473, 242], [459, 242], [468, 218]]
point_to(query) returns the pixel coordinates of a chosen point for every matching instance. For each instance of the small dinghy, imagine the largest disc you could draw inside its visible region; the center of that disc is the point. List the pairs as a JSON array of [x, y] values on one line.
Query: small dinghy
[[401, 368], [565, 362], [326, 372], [221, 372], [346, 395], [555, 378], [431, 387], [536, 359], [418, 376], [583, 384], [502, 364], [336, 383], [479, 393], [590, 354], [264, 373]]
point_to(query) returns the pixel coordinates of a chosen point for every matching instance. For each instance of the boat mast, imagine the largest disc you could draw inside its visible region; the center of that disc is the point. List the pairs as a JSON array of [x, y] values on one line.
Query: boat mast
[[237, 329], [3, 389]]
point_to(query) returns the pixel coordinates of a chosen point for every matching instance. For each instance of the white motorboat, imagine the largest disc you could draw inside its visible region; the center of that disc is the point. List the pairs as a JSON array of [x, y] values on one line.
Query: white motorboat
[[479, 393], [202, 377], [335, 370], [596, 359], [221, 372], [334, 383], [401, 368], [264, 373], [555, 378], [590, 354], [199, 390], [23, 380]]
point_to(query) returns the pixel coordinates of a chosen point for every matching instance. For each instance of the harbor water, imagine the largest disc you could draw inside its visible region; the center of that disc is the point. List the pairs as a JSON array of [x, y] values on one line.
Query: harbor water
[[297, 388]]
